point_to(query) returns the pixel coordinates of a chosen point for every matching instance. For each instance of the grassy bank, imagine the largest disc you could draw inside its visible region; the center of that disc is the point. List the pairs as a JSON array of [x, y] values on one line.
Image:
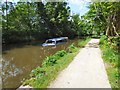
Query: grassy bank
[[42, 76], [111, 57]]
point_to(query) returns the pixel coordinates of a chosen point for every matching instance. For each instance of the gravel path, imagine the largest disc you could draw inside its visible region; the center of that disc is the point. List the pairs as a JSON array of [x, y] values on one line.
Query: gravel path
[[87, 70]]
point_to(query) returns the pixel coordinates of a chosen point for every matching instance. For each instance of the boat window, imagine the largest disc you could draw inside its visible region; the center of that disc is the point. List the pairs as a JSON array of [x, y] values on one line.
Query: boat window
[[60, 41], [50, 41]]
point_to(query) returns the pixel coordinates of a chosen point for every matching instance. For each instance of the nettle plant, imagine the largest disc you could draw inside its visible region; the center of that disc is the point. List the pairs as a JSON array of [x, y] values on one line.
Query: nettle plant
[[51, 60], [72, 48], [37, 73]]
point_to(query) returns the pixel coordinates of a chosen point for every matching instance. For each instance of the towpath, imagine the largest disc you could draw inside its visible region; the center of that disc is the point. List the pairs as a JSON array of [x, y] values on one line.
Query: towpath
[[87, 70]]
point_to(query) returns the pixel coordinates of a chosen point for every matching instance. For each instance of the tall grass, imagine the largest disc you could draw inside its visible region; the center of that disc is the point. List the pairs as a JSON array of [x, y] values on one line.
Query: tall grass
[[84, 42], [111, 57]]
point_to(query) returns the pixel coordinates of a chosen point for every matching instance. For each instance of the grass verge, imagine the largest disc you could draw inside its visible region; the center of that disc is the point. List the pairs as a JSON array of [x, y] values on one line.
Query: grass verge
[[41, 77], [84, 42], [111, 57]]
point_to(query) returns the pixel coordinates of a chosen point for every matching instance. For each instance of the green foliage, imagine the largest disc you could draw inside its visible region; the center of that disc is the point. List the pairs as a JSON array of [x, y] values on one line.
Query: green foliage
[[112, 42], [102, 19], [26, 21], [76, 25], [51, 60], [114, 77], [72, 48], [60, 53], [111, 57], [37, 73], [103, 39], [109, 52], [115, 42]]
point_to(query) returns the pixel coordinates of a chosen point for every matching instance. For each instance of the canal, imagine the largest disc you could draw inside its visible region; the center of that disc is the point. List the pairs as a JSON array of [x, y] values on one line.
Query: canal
[[19, 61]]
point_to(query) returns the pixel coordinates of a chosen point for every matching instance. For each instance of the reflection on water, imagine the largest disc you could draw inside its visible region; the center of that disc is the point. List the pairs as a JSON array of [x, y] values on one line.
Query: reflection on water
[[13, 70], [18, 62]]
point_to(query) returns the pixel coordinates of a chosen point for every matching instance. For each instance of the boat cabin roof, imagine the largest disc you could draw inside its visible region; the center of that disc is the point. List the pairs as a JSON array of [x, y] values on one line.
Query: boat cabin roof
[[57, 39]]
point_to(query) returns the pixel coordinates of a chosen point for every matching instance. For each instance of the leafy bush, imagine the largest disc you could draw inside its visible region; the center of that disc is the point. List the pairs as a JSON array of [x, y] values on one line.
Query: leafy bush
[[109, 52], [109, 47], [110, 55], [115, 42], [38, 72], [61, 53], [51, 60], [103, 39], [84, 42], [72, 48]]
